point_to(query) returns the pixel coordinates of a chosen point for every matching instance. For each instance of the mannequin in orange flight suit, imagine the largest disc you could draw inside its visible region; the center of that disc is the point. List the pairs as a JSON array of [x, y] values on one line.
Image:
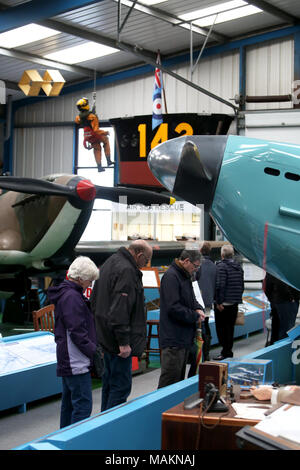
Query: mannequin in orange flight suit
[[93, 136]]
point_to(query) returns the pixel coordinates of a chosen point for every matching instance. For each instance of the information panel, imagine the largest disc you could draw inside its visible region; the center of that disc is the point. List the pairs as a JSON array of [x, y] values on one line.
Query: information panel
[[19, 355]]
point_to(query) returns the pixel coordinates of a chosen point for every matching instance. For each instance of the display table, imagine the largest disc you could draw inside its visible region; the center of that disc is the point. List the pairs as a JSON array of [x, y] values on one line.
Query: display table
[[185, 430], [27, 369]]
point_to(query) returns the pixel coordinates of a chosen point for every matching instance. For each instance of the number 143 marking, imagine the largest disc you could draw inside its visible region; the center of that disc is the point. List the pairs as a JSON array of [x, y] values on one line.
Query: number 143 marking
[[161, 135]]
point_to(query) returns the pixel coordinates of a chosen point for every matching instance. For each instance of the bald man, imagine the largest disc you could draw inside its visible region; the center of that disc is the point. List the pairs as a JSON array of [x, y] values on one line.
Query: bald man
[[118, 303]]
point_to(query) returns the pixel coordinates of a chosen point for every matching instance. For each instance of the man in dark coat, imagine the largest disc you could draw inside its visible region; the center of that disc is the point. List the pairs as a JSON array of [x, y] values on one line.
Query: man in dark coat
[[284, 301], [229, 291], [118, 303], [180, 314]]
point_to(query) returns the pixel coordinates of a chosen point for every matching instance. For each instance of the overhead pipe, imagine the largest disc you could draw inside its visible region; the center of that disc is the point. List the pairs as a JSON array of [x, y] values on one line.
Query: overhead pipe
[[262, 99]]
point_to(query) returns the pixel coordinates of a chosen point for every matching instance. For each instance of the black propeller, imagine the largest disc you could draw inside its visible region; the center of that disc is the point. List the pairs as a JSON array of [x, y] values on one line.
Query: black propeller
[[133, 196], [83, 190], [34, 186]]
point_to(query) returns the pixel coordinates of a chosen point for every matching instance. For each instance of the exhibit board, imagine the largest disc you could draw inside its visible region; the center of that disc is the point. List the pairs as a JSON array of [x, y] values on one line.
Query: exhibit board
[[28, 352], [150, 278], [28, 369]]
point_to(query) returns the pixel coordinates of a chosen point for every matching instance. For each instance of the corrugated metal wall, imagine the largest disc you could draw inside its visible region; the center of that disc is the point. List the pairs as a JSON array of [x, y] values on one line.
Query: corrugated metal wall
[[270, 71], [39, 151], [43, 151]]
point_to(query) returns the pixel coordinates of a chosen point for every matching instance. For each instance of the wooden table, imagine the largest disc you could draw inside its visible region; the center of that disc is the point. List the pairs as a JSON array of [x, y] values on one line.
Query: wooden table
[[187, 430]]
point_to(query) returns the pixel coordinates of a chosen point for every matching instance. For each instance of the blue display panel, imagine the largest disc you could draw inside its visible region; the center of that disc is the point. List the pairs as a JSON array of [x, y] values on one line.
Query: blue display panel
[[27, 369]]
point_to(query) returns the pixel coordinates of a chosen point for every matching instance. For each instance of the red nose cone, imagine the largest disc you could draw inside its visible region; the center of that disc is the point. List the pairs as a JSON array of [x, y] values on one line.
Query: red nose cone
[[86, 190]]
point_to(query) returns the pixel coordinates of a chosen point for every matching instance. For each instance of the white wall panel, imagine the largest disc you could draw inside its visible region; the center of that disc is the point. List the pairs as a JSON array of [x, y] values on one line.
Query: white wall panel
[[43, 151], [270, 72], [218, 74], [282, 126]]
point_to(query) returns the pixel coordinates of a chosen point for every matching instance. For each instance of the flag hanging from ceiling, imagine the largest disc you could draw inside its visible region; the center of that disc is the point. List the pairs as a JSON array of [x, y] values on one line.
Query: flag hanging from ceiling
[[157, 118]]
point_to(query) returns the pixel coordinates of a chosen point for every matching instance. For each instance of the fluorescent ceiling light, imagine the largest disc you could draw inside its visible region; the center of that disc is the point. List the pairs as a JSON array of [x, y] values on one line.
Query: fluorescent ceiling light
[[221, 13], [228, 16], [211, 10], [86, 51], [152, 2], [25, 34], [146, 3]]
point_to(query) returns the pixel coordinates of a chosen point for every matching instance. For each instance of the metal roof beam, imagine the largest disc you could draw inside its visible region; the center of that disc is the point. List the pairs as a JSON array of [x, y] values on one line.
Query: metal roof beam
[[121, 26], [172, 19], [176, 76], [275, 11], [24, 56], [36, 10], [10, 85], [84, 33]]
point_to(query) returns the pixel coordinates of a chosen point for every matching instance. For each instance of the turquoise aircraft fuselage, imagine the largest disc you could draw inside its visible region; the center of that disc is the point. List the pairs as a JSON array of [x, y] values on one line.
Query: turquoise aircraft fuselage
[[251, 189]]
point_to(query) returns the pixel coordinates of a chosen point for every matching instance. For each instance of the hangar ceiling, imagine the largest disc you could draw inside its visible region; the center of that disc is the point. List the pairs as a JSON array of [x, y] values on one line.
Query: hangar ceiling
[[135, 30]]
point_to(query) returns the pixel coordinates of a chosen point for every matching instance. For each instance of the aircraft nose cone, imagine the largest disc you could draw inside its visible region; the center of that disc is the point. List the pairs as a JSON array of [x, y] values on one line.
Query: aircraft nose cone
[[189, 166], [86, 190]]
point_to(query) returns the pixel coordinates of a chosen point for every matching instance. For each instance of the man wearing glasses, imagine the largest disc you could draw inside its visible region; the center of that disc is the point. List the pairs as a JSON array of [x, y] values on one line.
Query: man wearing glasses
[[118, 303], [180, 315]]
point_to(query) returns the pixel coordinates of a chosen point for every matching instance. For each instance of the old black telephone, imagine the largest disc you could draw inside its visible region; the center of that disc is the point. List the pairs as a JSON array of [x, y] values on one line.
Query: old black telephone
[[212, 401]]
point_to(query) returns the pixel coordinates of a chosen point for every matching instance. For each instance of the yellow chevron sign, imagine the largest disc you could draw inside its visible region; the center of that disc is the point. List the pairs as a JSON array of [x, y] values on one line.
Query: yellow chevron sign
[[31, 82]]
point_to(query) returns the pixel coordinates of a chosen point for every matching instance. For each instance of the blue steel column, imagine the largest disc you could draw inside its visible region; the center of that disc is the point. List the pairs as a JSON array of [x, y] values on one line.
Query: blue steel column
[[75, 150], [36, 10], [8, 141], [242, 77], [297, 67]]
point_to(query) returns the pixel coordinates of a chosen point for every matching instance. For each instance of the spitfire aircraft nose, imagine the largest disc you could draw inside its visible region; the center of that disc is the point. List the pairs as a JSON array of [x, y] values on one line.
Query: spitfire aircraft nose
[[189, 166], [86, 190]]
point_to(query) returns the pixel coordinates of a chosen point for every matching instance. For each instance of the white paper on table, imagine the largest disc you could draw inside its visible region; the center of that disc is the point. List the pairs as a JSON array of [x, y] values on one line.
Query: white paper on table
[[250, 410], [284, 422], [198, 294], [249, 308]]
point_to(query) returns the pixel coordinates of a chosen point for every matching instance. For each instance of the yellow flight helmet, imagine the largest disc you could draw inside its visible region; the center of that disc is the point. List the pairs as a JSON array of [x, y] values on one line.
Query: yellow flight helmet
[[83, 104]]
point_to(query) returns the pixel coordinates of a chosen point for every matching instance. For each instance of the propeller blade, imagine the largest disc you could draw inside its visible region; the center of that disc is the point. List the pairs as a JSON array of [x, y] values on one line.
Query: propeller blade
[[34, 186], [83, 191], [132, 195]]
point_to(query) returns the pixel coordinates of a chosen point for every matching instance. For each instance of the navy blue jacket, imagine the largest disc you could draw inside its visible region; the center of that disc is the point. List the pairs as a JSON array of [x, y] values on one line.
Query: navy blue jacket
[[206, 277], [178, 319], [75, 332], [230, 282]]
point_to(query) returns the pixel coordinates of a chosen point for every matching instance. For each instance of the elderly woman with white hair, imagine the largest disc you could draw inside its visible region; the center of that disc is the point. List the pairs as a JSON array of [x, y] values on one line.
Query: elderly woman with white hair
[[75, 337]]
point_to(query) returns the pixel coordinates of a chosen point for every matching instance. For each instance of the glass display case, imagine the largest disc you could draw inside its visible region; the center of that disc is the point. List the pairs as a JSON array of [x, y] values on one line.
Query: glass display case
[[249, 372]]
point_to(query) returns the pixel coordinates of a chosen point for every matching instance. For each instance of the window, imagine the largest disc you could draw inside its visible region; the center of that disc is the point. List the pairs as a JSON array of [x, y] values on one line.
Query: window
[[272, 171], [99, 227], [292, 176]]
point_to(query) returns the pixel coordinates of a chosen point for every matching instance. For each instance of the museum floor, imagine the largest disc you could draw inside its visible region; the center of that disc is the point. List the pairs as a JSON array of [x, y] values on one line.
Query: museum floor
[[42, 417]]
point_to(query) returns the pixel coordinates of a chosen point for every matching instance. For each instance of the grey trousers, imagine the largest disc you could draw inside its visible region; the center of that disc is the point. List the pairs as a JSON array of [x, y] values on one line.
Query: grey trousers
[[173, 364]]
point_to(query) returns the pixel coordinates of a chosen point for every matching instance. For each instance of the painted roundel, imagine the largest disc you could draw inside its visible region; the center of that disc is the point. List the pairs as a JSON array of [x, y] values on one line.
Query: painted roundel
[[157, 106]]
